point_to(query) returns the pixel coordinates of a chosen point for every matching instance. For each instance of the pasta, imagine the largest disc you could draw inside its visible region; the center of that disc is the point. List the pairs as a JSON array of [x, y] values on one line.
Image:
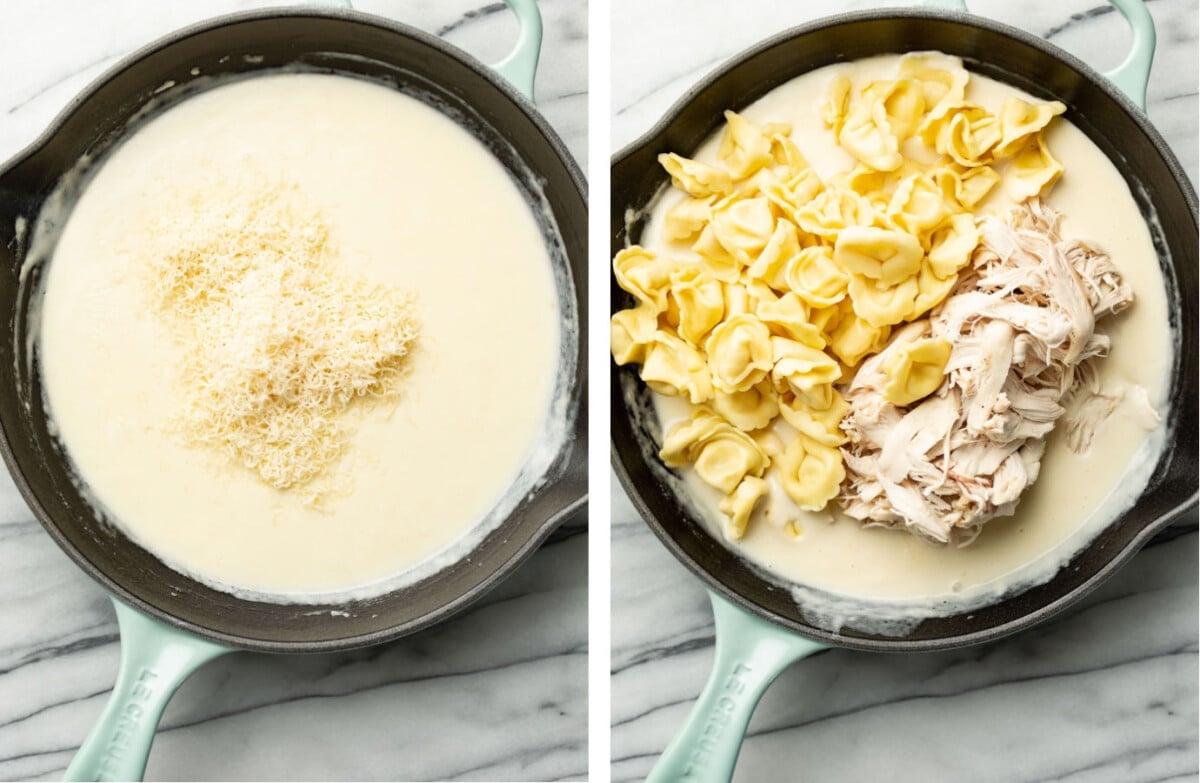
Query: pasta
[[699, 301], [745, 147], [644, 275], [751, 409], [696, 178], [740, 503], [739, 353], [742, 226], [914, 370], [884, 256], [688, 217], [673, 367], [811, 472], [631, 333]]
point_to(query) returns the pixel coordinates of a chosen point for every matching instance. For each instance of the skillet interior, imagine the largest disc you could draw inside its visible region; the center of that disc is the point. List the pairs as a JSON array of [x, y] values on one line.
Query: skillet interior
[[346, 43], [1106, 116]]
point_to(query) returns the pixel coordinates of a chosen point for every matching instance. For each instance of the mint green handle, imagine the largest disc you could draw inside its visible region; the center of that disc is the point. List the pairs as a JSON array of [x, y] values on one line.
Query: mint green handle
[[520, 66], [155, 660], [750, 654], [1131, 76]]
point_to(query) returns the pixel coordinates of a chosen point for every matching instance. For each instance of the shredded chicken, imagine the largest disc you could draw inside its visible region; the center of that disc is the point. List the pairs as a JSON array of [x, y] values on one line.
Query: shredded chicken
[[1022, 325]]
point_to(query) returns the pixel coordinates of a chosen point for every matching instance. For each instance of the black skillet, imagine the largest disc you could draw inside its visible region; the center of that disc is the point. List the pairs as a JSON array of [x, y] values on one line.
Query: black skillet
[[760, 627], [171, 624]]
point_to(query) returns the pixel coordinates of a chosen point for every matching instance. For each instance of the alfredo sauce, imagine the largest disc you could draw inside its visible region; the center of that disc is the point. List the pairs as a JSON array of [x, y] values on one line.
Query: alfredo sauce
[[415, 202]]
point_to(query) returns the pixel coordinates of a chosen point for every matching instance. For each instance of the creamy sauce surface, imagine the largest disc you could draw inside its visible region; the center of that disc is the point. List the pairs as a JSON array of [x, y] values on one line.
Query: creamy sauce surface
[[875, 578], [414, 201]]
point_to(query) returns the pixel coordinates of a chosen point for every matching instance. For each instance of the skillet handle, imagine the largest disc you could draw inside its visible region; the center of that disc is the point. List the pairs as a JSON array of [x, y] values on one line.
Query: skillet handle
[[155, 660], [750, 654], [520, 66], [1131, 76]]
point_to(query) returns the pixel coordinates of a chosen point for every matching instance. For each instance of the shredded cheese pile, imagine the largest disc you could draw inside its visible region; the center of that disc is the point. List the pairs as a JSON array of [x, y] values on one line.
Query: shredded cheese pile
[[275, 342]]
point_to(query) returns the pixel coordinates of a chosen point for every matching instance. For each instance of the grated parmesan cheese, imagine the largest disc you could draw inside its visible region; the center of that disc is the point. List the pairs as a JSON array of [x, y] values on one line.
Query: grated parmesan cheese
[[275, 341]]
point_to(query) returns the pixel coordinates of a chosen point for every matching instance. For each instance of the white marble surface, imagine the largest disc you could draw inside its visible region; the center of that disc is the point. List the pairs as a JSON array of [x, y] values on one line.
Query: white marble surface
[[1107, 692], [497, 693]]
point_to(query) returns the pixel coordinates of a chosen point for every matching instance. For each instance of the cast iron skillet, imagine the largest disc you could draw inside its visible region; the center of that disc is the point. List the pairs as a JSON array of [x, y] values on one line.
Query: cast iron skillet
[[192, 622], [760, 629]]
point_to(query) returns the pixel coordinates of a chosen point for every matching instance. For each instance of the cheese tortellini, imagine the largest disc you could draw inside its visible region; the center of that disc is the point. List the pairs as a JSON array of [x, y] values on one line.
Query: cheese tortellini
[[811, 472], [721, 454], [751, 409], [785, 280], [914, 370], [740, 503], [884, 256], [696, 178], [739, 353]]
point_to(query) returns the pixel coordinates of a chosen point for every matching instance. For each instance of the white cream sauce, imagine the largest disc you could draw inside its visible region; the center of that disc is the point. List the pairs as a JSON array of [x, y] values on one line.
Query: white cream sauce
[[884, 581], [415, 201]]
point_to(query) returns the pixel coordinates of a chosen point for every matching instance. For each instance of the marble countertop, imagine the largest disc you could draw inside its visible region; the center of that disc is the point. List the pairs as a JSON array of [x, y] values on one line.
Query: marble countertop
[[1106, 692], [496, 693]]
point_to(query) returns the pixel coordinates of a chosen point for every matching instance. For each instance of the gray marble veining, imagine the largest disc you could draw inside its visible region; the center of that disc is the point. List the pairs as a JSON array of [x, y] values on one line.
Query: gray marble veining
[[1106, 693], [496, 693]]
